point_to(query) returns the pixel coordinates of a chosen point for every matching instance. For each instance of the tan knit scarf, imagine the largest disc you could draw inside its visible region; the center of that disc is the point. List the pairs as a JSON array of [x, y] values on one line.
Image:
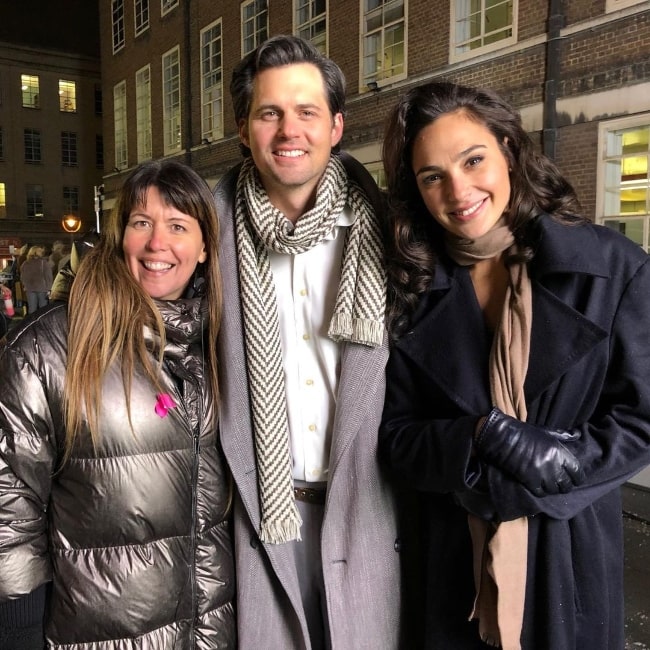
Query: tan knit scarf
[[501, 549], [358, 314]]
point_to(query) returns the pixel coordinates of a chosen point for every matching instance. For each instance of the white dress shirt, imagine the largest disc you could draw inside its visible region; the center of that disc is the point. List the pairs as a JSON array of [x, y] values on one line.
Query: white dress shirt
[[306, 286]]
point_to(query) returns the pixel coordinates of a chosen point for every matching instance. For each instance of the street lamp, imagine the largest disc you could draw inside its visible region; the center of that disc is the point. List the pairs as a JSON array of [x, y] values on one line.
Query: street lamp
[[71, 223]]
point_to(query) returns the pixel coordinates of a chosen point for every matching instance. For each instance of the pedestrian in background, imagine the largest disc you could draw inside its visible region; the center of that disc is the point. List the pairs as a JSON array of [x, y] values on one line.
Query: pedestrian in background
[[36, 278], [302, 356], [518, 387], [114, 497]]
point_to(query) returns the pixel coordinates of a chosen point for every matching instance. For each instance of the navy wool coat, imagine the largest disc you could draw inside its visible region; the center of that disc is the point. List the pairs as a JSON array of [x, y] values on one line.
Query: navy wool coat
[[589, 369]]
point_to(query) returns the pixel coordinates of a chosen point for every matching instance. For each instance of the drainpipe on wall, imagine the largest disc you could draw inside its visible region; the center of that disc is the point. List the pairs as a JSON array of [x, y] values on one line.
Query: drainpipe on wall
[[555, 23]]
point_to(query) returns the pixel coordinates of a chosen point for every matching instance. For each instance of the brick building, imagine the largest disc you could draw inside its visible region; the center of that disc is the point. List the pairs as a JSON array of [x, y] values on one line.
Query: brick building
[[579, 72], [51, 142]]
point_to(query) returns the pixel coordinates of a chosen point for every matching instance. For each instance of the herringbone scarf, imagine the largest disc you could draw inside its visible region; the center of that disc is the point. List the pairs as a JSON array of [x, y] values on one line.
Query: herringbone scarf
[[358, 314], [501, 549]]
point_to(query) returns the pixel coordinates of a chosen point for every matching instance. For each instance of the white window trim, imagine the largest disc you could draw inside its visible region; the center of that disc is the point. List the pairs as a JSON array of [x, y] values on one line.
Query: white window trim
[[170, 4], [119, 46], [168, 146], [615, 5], [492, 47], [119, 89], [217, 133], [604, 128], [144, 149], [241, 22], [388, 80], [294, 10], [145, 27]]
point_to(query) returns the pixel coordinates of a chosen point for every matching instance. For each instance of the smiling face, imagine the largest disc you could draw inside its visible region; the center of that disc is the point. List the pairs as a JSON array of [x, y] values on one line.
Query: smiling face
[[290, 132], [162, 247], [462, 174]]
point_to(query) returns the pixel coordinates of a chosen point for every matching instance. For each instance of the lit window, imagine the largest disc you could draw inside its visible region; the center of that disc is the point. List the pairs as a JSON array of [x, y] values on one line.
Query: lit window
[[71, 200], [3, 201], [211, 83], [384, 37], [67, 96], [29, 86], [479, 26], [143, 112], [69, 149], [624, 177], [141, 15], [119, 117], [310, 20], [254, 25], [32, 139], [117, 7], [171, 73], [34, 200]]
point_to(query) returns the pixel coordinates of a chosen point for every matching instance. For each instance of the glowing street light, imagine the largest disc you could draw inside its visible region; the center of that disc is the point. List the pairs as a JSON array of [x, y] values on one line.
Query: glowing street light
[[71, 223]]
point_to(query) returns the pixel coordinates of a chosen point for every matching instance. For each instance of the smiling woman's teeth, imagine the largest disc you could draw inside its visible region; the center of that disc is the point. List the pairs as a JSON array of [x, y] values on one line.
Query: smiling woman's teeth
[[157, 266]]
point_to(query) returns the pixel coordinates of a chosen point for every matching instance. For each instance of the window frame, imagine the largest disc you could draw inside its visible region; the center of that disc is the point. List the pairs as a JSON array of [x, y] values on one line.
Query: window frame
[[455, 56], [297, 27], [67, 96], [171, 102], [616, 5], [70, 195], [118, 32], [258, 36], [605, 128], [69, 149], [378, 77], [120, 126], [140, 16], [33, 198], [212, 127], [144, 145], [167, 5], [30, 85], [35, 146]]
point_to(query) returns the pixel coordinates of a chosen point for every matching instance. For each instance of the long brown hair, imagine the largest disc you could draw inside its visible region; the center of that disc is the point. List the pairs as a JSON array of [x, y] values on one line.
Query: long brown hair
[[108, 310]]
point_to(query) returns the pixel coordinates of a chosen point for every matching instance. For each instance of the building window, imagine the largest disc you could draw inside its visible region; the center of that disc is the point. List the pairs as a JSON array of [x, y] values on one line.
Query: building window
[[3, 201], [376, 170], [254, 24], [99, 151], [119, 117], [71, 200], [167, 5], [69, 149], [118, 24], [2, 144], [32, 146], [384, 39], [34, 200], [310, 22], [67, 96], [171, 72], [143, 113], [211, 83], [141, 16], [29, 85], [479, 26], [624, 178], [99, 109], [614, 5]]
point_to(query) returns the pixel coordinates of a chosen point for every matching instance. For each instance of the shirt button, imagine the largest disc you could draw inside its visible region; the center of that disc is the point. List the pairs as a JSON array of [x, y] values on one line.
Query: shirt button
[[312, 427], [303, 292], [310, 382], [306, 337]]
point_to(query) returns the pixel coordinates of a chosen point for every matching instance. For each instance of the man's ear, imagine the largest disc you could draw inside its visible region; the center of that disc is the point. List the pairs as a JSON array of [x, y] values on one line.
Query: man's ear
[[337, 129], [243, 131]]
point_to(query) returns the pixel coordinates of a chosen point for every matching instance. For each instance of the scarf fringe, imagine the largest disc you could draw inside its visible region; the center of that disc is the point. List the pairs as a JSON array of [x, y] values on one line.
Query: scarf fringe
[[356, 330], [279, 532]]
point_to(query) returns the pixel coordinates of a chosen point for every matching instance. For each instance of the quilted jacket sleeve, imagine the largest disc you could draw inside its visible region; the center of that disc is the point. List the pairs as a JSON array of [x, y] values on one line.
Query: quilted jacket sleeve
[[27, 453]]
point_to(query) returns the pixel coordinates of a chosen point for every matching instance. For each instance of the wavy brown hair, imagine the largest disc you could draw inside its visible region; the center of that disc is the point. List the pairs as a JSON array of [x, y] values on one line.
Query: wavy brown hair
[[108, 310], [537, 186]]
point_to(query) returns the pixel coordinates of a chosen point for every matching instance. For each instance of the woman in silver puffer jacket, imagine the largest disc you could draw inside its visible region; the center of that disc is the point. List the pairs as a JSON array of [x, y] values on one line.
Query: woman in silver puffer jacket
[[114, 496]]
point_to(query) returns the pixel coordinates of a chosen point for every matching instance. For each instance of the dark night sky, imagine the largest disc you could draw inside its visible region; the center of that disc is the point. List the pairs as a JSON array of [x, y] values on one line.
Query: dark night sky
[[68, 25]]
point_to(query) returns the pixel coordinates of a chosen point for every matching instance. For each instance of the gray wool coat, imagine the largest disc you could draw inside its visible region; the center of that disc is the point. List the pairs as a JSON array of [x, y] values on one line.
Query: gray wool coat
[[360, 544]]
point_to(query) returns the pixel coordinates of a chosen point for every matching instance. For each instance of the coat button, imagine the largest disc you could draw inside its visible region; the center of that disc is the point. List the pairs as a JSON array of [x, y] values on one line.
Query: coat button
[[255, 542], [398, 545]]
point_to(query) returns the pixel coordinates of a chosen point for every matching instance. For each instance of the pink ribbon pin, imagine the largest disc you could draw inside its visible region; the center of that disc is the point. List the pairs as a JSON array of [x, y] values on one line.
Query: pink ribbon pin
[[163, 404]]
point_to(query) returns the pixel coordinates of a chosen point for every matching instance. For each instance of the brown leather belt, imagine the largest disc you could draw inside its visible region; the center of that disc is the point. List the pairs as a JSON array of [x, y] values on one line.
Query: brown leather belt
[[310, 495]]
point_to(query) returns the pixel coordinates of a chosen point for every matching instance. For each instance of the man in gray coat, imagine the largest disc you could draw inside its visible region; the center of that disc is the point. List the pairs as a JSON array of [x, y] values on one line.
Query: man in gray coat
[[302, 353]]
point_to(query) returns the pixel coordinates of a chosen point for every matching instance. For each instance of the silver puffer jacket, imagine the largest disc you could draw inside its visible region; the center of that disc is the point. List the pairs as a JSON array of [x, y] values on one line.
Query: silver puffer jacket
[[135, 536]]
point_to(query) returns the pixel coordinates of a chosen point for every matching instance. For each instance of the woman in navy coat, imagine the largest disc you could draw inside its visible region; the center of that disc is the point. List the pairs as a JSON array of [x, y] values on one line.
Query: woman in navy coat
[[496, 281]]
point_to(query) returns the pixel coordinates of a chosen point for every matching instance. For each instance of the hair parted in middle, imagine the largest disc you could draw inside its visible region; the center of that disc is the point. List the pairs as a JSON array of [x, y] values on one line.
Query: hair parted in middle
[[279, 51], [108, 310]]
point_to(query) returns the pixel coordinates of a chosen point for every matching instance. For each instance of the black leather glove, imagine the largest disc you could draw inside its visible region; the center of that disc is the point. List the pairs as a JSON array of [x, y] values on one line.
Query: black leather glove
[[533, 455]]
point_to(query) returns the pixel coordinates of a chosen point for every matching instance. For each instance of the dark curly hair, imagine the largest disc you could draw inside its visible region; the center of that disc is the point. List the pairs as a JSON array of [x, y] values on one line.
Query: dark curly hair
[[537, 186]]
